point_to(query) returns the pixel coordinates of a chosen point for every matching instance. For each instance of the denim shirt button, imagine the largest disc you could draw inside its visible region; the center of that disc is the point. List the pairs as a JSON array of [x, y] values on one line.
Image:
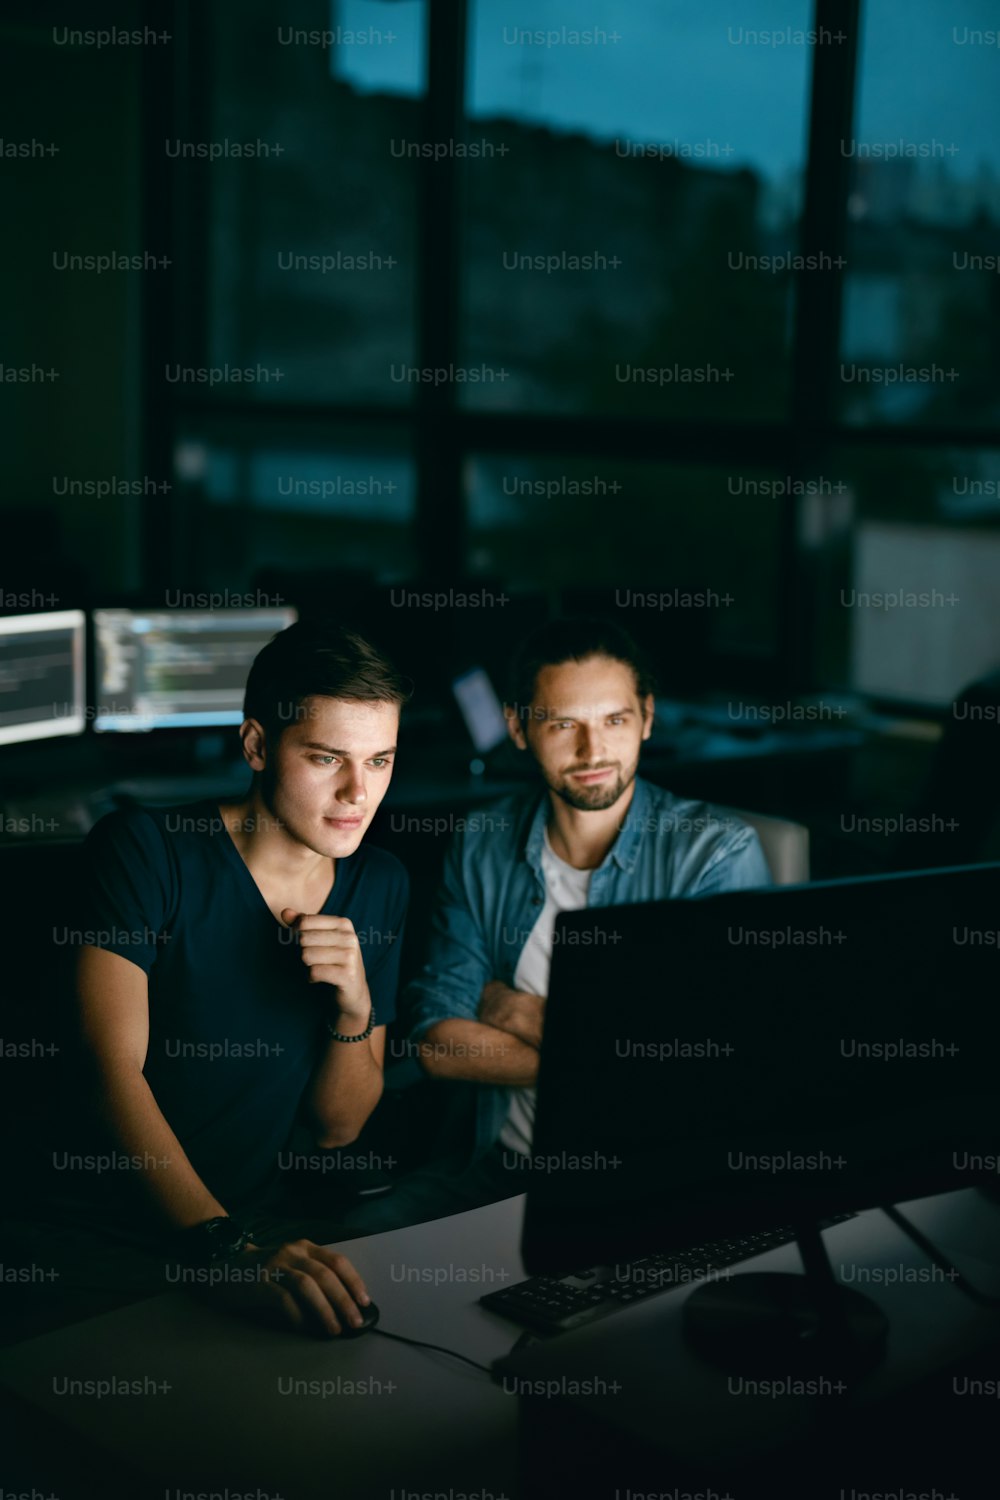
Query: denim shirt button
[[538, 900]]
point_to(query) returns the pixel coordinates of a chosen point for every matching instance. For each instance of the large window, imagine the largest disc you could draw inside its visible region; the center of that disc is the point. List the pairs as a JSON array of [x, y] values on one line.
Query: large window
[[563, 524], [639, 164], [293, 496], [312, 237], [922, 294], [508, 250]]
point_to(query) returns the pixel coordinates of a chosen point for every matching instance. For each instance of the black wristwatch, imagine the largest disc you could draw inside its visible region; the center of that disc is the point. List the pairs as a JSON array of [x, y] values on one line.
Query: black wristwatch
[[213, 1241]]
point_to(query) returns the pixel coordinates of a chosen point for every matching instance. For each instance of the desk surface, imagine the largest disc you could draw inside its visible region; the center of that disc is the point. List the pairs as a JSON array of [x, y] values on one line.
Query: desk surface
[[635, 1374], [395, 1417], [403, 1418]]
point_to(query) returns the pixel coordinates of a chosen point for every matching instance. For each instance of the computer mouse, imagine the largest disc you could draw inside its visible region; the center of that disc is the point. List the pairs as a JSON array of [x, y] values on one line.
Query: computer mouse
[[369, 1317]]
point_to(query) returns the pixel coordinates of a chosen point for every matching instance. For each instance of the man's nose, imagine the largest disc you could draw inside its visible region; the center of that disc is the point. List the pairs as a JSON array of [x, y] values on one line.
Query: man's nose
[[353, 788], [590, 742]]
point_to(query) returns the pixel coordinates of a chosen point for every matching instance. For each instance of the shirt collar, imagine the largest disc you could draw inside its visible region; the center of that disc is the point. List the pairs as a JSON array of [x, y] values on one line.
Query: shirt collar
[[625, 849]]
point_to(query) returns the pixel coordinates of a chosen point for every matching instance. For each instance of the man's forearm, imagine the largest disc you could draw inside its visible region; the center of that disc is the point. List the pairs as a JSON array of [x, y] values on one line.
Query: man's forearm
[[127, 1104], [471, 1050], [345, 1090], [515, 1011]]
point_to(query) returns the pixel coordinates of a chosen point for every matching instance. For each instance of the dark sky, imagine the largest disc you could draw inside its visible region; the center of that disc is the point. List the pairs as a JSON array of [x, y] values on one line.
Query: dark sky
[[685, 70]]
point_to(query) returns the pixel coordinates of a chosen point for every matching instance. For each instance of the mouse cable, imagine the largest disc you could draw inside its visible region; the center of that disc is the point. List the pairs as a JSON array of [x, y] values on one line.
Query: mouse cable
[[421, 1344]]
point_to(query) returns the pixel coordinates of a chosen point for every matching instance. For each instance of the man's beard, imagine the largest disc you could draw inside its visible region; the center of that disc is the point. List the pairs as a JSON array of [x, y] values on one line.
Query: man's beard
[[595, 798]]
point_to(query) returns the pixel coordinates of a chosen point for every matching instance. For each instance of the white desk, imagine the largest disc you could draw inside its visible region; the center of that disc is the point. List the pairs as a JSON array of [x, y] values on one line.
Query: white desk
[[413, 1419], [633, 1374], [421, 1421]]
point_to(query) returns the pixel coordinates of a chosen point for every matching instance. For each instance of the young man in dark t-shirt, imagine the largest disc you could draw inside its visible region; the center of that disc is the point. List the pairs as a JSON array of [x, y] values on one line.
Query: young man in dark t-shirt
[[238, 971]]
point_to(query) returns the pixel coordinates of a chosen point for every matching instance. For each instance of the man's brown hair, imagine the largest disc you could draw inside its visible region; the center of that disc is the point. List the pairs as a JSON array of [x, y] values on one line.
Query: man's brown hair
[[317, 657]]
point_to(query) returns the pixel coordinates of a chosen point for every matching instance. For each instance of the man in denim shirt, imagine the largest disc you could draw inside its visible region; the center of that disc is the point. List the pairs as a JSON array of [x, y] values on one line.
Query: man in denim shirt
[[597, 835]]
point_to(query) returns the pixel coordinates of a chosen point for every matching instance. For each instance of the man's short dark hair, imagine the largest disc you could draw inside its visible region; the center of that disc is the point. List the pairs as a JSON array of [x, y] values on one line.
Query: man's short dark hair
[[563, 640], [317, 657]]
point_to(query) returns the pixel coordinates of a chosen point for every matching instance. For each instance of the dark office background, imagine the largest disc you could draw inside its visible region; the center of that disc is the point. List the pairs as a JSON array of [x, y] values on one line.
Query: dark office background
[[672, 147], [774, 388]]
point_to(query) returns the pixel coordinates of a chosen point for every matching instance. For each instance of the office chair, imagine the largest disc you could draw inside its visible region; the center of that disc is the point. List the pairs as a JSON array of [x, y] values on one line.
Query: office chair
[[785, 845]]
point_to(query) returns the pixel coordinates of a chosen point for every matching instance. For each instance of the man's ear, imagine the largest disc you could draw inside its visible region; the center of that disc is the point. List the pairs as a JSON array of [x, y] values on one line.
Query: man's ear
[[648, 710], [514, 728], [254, 743]]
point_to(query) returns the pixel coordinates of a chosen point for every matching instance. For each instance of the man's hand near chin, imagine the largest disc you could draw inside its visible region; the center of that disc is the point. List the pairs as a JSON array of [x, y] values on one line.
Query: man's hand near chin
[[514, 1011]]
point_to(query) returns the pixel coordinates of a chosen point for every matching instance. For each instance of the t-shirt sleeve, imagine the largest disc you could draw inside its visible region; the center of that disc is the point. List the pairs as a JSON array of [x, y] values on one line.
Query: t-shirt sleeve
[[127, 892], [382, 944]]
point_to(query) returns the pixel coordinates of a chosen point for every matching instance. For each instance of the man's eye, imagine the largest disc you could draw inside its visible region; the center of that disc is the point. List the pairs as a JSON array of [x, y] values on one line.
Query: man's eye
[[379, 761], [617, 719], [563, 724], [323, 760]]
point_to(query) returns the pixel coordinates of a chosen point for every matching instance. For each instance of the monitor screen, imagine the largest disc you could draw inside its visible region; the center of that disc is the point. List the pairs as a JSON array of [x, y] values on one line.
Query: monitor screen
[[481, 709], [180, 668], [42, 688], [752, 1059], [925, 612]]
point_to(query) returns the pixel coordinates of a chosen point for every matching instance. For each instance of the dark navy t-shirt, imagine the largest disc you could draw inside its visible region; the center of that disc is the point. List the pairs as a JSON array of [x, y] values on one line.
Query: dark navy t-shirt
[[235, 1027]]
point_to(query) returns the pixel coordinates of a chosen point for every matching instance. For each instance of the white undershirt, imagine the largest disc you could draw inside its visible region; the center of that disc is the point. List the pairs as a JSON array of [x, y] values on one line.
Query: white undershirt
[[565, 890]]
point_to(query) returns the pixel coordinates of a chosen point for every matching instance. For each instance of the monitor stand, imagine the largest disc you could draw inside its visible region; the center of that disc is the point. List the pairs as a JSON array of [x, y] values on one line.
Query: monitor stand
[[784, 1323]]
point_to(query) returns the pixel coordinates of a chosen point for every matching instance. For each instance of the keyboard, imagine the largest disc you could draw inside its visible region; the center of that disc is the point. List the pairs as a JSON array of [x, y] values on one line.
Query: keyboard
[[555, 1304]]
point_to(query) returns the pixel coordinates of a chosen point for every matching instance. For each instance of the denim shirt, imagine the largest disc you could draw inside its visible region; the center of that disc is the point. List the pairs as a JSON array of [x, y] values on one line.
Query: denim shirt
[[493, 891]]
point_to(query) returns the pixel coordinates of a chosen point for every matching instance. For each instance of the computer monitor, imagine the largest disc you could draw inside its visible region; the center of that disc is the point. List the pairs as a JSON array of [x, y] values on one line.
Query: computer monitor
[[42, 683], [177, 668], [720, 1064], [925, 615], [848, 1020], [481, 709]]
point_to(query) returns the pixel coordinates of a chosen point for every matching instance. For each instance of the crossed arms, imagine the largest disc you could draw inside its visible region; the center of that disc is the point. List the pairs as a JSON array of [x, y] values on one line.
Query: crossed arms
[[470, 1024], [500, 1046]]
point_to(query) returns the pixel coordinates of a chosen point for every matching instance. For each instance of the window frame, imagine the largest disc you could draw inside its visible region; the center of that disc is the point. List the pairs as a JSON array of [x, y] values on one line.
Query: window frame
[[441, 434]]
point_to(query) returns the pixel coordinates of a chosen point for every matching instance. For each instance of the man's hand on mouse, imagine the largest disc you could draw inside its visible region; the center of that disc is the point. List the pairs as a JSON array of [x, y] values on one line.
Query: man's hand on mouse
[[329, 947], [299, 1285]]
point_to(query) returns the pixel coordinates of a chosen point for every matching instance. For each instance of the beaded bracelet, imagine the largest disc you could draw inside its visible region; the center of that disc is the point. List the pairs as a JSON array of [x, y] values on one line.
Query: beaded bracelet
[[338, 1036]]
